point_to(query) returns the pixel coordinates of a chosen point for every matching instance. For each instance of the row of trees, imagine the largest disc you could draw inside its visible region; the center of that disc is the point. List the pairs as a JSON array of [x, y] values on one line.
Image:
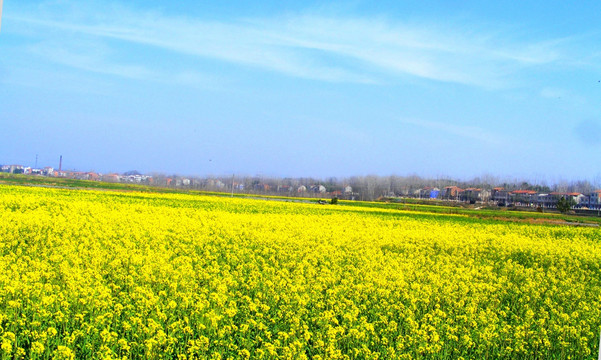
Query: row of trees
[[363, 187]]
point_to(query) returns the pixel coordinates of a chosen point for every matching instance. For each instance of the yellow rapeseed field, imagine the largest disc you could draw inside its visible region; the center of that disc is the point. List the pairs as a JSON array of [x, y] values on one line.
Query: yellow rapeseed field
[[93, 274]]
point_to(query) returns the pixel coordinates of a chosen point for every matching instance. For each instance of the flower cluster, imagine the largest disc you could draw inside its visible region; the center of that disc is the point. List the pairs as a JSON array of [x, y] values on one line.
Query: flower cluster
[[93, 274]]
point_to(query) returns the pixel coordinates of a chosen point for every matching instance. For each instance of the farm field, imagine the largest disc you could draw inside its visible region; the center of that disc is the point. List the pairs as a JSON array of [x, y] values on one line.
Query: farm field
[[105, 274]]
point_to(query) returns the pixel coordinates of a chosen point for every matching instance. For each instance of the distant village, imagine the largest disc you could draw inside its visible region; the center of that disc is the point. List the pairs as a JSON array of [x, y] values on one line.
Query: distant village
[[520, 197], [355, 188], [78, 175]]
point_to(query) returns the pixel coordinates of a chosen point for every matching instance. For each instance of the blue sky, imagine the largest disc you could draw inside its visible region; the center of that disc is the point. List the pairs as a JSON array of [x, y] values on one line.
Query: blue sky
[[287, 88]]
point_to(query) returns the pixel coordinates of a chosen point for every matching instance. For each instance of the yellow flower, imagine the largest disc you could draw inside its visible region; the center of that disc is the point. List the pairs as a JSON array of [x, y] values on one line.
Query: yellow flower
[[37, 347]]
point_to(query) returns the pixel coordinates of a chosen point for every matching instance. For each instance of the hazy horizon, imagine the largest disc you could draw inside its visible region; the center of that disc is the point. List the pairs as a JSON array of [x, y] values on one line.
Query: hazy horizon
[[484, 178], [306, 89]]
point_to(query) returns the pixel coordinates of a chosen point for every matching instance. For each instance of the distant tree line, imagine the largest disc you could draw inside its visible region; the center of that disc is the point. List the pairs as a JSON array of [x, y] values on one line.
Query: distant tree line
[[368, 187]]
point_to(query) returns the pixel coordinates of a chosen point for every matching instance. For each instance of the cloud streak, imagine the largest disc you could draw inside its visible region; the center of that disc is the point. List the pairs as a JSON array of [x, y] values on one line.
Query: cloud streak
[[332, 49], [89, 58]]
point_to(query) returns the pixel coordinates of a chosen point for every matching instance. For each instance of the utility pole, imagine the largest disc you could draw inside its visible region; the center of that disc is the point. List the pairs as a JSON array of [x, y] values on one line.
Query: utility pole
[[36, 155], [232, 185]]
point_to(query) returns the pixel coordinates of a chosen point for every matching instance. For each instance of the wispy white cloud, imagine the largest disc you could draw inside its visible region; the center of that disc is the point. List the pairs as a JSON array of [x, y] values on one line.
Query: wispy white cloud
[[98, 57], [89, 57], [468, 132], [335, 49]]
